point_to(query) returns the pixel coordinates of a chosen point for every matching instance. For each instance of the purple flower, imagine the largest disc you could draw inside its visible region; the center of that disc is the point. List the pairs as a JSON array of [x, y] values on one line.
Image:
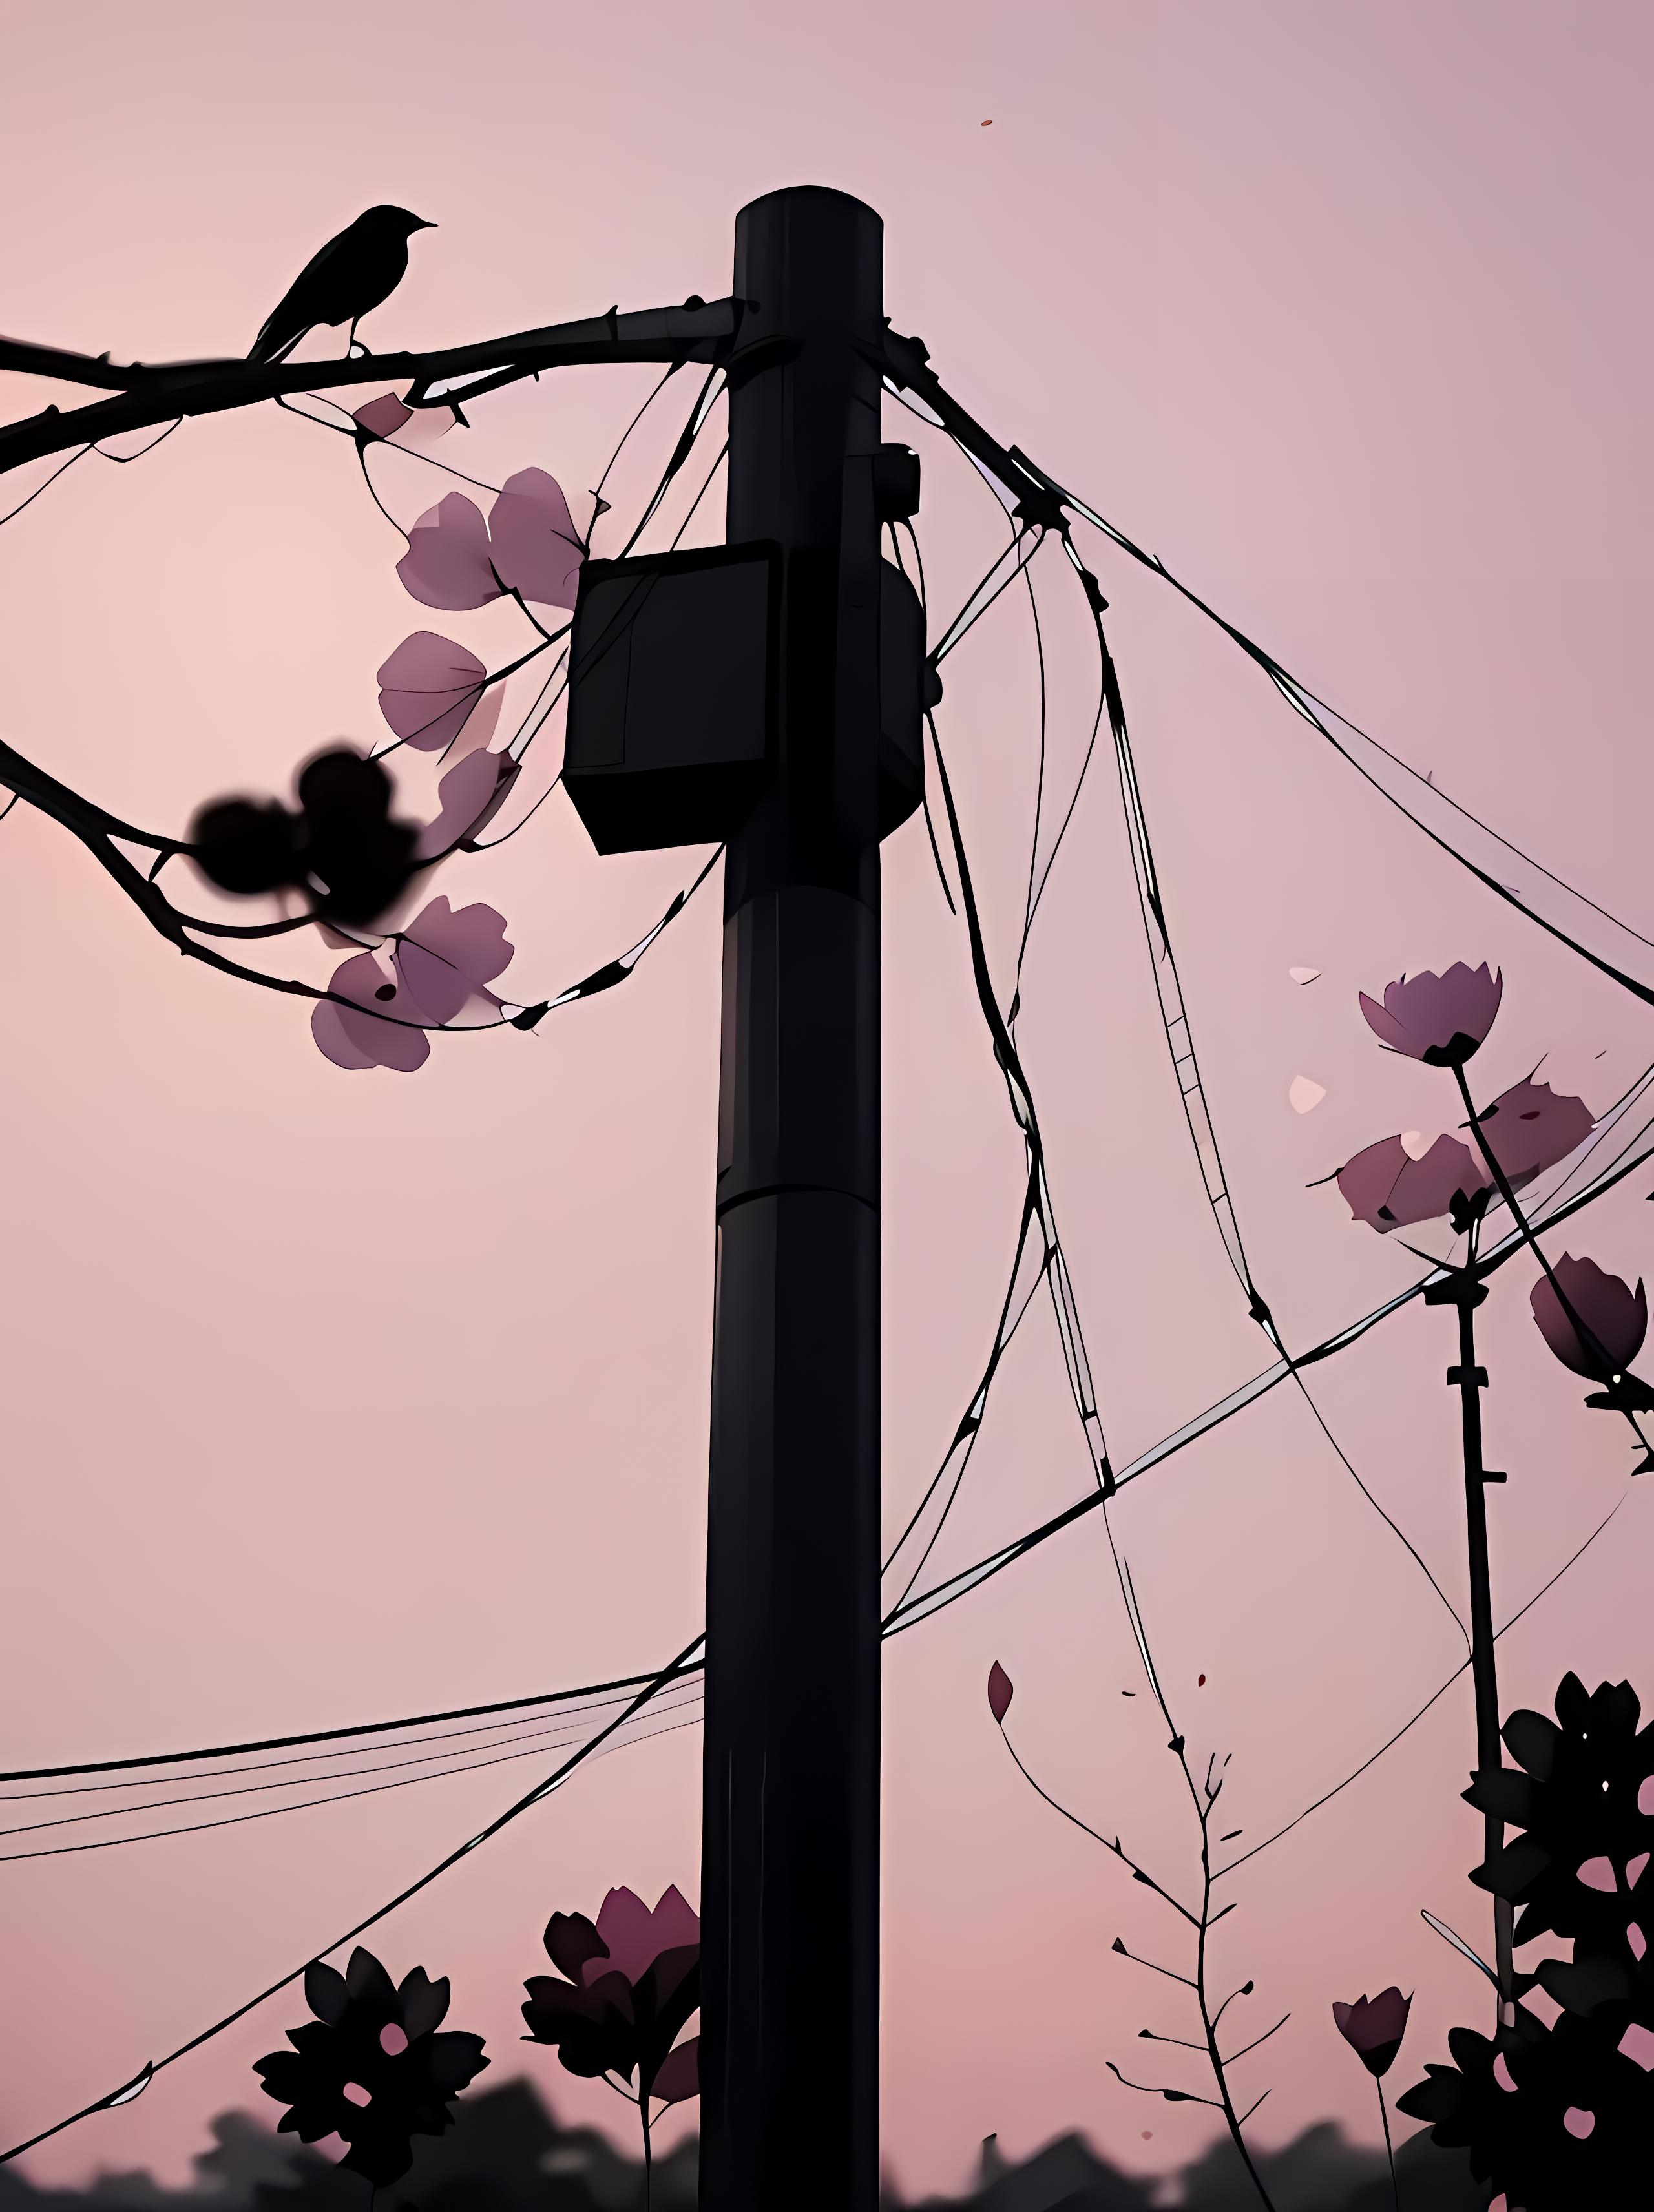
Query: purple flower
[[1373, 2028], [1440, 1019], [529, 544], [387, 421], [1612, 1312], [1385, 1187], [630, 1981], [441, 960], [431, 689], [471, 793], [1529, 1129]]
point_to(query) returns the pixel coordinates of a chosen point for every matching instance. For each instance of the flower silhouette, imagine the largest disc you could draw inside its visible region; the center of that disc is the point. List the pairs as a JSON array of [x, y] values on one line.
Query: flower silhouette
[[1529, 1127], [632, 1980], [431, 689], [1373, 2028], [1440, 1019], [371, 2067], [1385, 1187], [1612, 1312], [443, 958]]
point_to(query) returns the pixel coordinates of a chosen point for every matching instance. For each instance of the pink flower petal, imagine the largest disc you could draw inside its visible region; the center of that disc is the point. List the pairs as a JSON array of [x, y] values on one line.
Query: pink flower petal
[[425, 426], [1579, 2122], [1422, 1015], [1637, 2044], [535, 550], [329, 1032], [428, 690], [679, 2077], [1387, 1188], [1529, 1127], [677, 1924], [380, 1043], [382, 417], [627, 1926], [443, 956], [1502, 2075], [1302, 976], [446, 563], [1598, 1874], [1304, 1096], [1611, 1311], [468, 794]]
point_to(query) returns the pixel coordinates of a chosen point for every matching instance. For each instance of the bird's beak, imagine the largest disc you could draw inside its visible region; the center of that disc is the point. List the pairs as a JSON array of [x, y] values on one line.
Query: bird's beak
[[420, 223]]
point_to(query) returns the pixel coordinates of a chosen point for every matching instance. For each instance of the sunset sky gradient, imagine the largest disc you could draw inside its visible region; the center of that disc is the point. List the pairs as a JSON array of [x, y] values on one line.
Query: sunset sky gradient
[[331, 1397]]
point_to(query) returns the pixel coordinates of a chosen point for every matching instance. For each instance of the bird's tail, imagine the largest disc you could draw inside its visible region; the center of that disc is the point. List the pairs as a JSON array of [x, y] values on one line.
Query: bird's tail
[[272, 344]]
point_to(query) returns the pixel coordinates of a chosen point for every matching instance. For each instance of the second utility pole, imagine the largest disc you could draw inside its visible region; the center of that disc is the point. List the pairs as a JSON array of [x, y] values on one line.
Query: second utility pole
[[790, 1873]]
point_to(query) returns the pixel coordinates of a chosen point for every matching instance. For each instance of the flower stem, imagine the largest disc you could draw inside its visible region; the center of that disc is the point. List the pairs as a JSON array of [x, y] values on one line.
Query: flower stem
[[1390, 2150], [1465, 1292], [1588, 1339], [648, 2160]]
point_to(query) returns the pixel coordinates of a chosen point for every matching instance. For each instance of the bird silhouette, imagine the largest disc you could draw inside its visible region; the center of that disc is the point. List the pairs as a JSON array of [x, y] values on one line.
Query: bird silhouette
[[351, 276]]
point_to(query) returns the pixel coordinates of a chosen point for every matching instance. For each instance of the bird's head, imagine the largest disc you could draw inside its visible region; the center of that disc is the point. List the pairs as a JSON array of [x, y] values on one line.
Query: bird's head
[[396, 222]]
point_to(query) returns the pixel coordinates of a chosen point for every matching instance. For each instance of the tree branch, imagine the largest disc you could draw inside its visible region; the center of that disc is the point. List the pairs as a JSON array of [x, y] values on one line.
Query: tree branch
[[152, 394]]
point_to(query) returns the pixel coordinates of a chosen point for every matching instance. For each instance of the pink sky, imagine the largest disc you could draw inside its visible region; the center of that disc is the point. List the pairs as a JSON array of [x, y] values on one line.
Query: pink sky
[[333, 1396]]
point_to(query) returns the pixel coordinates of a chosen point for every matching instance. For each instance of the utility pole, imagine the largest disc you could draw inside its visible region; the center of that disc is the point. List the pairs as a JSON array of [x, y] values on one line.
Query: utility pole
[[790, 1852], [768, 693]]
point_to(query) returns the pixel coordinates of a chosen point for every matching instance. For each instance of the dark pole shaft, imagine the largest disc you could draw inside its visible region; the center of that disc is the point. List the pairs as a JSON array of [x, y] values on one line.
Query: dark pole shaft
[[790, 1955], [1471, 1380]]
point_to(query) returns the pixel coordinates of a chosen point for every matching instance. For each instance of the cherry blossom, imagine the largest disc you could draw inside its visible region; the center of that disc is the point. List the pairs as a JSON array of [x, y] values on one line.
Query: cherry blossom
[[528, 545]]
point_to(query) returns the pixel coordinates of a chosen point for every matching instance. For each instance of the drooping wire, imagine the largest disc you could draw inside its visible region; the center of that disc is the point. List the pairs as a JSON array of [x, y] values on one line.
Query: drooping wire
[[542, 1740], [1364, 753], [541, 1790], [1185, 1064]]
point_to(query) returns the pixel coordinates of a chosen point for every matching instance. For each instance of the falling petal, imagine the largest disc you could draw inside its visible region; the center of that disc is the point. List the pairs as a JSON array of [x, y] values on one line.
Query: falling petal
[[1637, 2044], [1306, 1096], [1304, 975], [1415, 1143]]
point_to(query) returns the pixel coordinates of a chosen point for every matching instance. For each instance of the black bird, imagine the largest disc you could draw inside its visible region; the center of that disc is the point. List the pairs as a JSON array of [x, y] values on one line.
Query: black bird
[[352, 275]]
